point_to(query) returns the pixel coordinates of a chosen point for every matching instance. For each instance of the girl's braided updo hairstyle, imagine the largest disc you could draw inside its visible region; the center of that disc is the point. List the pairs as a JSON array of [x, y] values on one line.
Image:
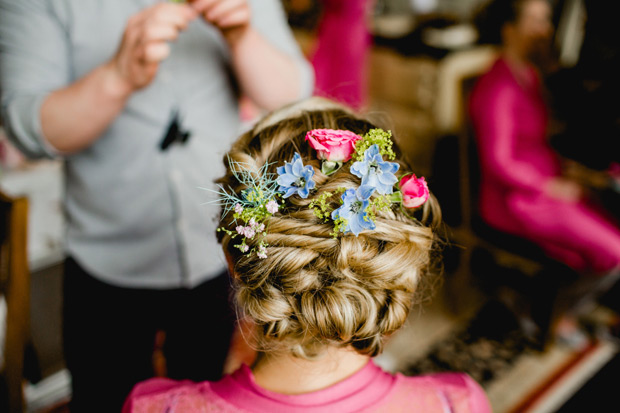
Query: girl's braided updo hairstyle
[[313, 289]]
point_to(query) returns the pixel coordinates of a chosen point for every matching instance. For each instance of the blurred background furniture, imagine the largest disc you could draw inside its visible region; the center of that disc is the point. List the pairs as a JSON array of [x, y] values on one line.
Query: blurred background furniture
[[15, 292], [46, 380]]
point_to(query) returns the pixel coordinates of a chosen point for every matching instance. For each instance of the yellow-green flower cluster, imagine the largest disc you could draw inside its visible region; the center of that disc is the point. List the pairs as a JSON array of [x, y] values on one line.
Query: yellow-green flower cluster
[[379, 137], [321, 208], [380, 203]]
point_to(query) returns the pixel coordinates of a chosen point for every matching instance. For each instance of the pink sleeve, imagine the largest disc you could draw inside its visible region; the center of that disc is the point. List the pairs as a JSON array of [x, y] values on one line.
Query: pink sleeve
[[495, 124], [460, 393], [478, 401], [148, 388]]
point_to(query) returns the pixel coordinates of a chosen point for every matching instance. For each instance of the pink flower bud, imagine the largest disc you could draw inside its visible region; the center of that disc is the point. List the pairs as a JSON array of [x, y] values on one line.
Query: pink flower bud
[[414, 190]]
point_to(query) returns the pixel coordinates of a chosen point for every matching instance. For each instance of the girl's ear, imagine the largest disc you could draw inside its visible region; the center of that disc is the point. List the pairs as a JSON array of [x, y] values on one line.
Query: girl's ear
[[231, 265]]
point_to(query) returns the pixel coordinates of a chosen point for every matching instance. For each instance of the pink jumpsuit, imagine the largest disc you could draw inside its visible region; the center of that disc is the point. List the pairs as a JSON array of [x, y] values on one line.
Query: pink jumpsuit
[[339, 59], [510, 123]]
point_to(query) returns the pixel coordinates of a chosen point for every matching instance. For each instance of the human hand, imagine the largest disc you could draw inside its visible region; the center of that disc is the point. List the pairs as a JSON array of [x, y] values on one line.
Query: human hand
[[145, 42], [585, 176], [563, 189], [231, 17]]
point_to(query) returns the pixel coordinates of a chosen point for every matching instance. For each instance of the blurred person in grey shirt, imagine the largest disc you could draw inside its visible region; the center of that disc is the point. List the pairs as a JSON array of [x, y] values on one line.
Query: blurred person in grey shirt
[[140, 99]]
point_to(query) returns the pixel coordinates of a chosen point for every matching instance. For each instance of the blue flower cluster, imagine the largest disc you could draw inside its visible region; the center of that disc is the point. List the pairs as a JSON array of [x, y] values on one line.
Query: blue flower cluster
[[354, 209], [295, 178], [376, 174]]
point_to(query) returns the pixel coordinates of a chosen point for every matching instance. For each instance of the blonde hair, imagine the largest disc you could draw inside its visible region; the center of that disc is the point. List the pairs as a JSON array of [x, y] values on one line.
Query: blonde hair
[[314, 290]]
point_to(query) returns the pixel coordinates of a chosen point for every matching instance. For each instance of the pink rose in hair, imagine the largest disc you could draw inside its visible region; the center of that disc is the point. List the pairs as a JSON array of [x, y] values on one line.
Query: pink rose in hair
[[414, 190], [333, 145]]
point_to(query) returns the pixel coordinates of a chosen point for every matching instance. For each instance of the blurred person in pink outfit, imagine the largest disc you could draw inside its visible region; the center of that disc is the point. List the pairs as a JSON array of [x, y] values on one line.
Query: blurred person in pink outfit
[[322, 304], [339, 59], [522, 189]]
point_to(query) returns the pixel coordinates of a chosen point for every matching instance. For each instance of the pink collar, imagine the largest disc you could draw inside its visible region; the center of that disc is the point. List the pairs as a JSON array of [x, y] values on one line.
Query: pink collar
[[368, 386]]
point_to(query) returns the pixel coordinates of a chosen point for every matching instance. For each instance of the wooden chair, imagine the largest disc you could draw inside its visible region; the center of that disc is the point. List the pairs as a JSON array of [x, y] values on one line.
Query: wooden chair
[[15, 288]]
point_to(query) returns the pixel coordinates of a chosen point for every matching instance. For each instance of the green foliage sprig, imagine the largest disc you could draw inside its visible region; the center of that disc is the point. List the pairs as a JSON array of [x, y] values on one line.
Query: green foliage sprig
[[320, 206]]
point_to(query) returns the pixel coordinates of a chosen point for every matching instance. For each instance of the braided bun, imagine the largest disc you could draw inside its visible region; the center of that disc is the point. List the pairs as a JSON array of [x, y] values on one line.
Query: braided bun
[[314, 290]]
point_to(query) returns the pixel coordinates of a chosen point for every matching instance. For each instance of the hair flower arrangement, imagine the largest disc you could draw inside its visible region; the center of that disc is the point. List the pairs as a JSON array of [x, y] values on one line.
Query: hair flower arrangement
[[359, 208]]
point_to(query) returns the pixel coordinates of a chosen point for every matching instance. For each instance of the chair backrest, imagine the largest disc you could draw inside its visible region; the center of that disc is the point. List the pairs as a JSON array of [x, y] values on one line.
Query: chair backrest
[[15, 289], [468, 150], [455, 167]]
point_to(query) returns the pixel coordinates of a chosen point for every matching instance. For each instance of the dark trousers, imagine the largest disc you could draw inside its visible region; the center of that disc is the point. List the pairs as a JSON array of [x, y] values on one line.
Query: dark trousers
[[109, 335]]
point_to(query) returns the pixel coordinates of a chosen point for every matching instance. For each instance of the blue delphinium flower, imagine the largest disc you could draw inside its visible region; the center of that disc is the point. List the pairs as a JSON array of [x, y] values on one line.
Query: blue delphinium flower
[[295, 178], [353, 210], [376, 172]]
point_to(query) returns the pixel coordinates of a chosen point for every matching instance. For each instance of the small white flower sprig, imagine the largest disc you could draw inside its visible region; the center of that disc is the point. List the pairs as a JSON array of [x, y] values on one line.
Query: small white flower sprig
[[251, 209]]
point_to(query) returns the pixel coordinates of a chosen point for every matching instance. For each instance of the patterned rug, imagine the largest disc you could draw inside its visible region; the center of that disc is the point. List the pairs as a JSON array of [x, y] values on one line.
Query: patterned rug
[[493, 349], [485, 348]]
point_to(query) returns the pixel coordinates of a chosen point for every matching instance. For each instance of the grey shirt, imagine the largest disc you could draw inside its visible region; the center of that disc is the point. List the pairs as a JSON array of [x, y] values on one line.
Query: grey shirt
[[135, 214]]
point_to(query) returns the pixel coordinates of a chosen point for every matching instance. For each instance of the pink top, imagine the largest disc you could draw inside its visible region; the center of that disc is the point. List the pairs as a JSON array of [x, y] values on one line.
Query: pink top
[[339, 59], [369, 390], [510, 120]]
